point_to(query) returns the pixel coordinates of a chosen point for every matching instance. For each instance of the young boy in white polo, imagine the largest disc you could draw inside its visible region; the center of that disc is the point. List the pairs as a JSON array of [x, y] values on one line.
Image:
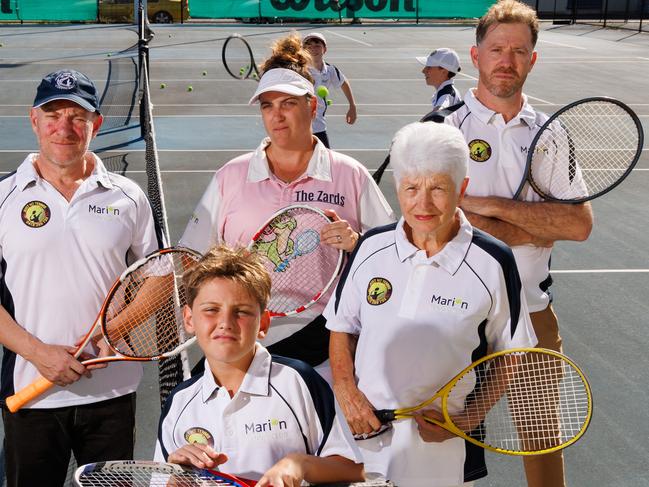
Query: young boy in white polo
[[440, 67], [262, 417], [329, 76]]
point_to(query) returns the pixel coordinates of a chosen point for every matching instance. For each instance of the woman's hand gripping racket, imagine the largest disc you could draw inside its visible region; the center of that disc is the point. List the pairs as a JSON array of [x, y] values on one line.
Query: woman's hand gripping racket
[[141, 318], [136, 473], [583, 151], [238, 59], [519, 402], [301, 267]]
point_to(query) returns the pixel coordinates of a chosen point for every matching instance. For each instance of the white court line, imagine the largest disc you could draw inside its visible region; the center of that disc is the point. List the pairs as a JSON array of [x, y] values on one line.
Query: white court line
[[349, 38], [563, 45], [599, 271]]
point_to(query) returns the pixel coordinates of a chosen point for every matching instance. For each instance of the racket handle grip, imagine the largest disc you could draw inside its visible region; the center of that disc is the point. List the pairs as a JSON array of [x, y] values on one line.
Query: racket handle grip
[[27, 393], [385, 415]]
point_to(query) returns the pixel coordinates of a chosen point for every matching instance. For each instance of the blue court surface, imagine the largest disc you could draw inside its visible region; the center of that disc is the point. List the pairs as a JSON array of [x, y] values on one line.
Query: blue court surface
[[600, 285]]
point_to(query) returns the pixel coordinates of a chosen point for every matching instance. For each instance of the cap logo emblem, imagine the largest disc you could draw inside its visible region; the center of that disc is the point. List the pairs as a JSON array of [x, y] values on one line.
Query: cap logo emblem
[[65, 81]]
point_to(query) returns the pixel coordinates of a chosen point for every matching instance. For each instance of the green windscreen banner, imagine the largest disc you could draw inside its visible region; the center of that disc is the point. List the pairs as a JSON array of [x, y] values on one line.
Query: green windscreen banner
[[49, 10], [334, 9]]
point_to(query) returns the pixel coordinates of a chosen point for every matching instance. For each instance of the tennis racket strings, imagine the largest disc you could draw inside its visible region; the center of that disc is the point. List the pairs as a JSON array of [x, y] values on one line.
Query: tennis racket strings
[[300, 266], [597, 141], [523, 402], [144, 315]]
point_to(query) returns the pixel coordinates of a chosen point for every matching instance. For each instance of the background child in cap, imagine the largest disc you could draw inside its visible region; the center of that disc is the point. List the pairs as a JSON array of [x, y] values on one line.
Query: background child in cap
[[258, 416], [329, 76], [440, 67]]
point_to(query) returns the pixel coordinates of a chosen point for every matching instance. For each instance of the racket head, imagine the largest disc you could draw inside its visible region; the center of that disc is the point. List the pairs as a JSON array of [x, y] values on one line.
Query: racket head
[[584, 150], [137, 473], [142, 315], [298, 278], [238, 59], [540, 402]]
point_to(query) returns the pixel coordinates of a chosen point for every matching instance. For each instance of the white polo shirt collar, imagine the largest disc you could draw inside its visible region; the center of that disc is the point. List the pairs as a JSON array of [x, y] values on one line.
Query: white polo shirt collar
[[27, 174], [527, 115], [449, 258], [319, 165], [256, 381]]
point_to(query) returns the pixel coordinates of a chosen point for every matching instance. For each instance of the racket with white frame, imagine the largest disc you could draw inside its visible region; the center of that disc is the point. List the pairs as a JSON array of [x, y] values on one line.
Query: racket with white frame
[[583, 151], [301, 267], [525, 401], [140, 319]]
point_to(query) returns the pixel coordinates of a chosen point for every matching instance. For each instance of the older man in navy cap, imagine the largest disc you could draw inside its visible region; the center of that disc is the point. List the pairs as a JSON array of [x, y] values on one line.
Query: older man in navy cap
[[68, 229]]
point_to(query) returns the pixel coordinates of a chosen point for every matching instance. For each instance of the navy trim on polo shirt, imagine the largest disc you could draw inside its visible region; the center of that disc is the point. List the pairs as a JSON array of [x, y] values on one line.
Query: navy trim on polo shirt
[[321, 394], [167, 407], [504, 256], [391, 227]]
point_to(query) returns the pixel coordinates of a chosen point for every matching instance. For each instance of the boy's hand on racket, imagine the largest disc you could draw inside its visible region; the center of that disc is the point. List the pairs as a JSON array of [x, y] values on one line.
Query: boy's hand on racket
[[57, 363], [338, 234], [357, 409], [288, 472], [198, 455]]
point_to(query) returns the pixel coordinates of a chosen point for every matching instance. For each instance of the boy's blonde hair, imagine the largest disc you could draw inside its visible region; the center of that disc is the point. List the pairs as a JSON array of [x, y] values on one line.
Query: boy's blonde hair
[[234, 264], [508, 12]]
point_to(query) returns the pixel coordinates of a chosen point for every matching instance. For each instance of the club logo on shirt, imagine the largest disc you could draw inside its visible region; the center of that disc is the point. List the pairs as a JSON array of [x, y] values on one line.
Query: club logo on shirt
[[379, 291], [35, 214], [479, 150], [199, 435]]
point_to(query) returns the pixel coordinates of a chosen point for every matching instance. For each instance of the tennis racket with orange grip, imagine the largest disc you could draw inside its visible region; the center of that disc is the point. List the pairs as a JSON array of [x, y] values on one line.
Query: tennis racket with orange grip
[[141, 318]]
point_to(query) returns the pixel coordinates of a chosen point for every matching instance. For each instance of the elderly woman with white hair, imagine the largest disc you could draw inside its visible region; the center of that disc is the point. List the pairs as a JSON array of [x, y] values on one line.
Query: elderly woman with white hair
[[418, 301]]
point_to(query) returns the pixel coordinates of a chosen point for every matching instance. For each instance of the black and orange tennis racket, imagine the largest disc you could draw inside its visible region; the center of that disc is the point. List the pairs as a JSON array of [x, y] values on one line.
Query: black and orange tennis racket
[[141, 318], [301, 268], [525, 401]]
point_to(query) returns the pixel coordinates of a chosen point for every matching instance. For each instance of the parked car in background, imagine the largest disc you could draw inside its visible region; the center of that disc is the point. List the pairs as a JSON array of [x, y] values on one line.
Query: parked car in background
[[159, 11]]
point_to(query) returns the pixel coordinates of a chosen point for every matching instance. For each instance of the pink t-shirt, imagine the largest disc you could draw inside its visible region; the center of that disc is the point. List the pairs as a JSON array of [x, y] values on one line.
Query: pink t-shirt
[[244, 193]]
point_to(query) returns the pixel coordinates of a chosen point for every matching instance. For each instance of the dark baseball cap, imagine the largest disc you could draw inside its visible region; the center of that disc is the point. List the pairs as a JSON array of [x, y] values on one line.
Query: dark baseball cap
[[68, 84]]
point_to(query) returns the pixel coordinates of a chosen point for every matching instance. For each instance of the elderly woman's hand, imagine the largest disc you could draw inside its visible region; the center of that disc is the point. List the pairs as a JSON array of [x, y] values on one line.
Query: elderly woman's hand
[[357, 409], [338, 234]]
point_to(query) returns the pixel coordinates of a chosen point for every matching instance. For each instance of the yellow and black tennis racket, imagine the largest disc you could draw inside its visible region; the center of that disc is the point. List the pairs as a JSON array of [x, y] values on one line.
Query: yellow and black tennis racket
[[525, 401]]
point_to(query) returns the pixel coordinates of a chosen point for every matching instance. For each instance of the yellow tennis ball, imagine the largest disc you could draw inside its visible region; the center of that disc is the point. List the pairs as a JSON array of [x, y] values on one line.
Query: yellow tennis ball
[[162, 86], [322, 91], [329, 102], [190, 88], [204, 73]]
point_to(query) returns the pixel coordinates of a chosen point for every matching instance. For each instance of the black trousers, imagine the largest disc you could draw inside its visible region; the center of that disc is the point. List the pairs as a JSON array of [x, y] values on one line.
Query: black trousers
[[38, 442], [323, 138]]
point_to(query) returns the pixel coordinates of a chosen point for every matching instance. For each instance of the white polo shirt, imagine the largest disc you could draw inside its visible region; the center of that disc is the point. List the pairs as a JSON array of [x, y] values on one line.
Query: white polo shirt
[[420, 320], [244, 193], [446, 95], [58, 261], [498, 152], [282, 406], [331, 77]]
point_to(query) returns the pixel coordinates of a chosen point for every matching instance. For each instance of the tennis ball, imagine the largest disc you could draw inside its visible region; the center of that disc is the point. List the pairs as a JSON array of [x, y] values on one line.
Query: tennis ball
[[169, 35], [190, 88], [329, 102], [1, 44], [162, 86], [254, 76], [109, 54], [322, 91], [204, 73]]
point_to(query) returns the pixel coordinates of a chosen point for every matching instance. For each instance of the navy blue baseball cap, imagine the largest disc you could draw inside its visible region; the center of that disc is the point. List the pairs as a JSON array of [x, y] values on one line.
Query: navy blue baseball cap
[[68, 84]]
